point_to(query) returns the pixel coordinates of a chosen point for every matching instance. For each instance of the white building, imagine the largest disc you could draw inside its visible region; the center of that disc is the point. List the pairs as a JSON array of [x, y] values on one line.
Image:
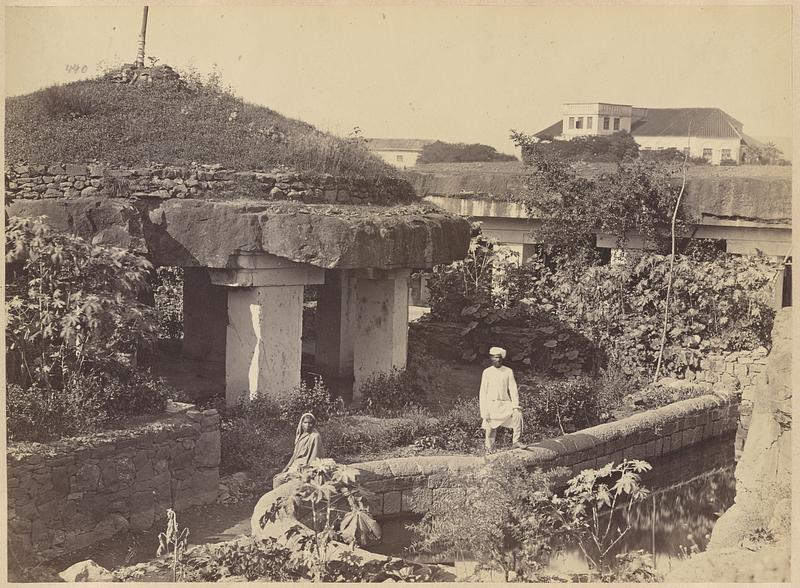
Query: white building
[[400, 153], [710, 133]]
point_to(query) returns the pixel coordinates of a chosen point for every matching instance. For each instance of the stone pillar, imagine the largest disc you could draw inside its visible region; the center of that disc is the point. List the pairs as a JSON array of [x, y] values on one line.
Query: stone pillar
[[265, 319], [380, 334], [334, 325], [205, 311]]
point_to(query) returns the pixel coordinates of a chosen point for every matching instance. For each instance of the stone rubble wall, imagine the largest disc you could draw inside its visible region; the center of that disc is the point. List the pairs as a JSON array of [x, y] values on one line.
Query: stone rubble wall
[[69, 494], [737, 370], [412, 484], [159, 181]]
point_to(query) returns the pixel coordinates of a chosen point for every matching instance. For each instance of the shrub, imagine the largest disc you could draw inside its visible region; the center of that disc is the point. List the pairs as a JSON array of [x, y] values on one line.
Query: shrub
[[315, 399], [38, 413], [457, 429], [387, 392], [668, 154], [353, 435], [569, 404], [254, 439]]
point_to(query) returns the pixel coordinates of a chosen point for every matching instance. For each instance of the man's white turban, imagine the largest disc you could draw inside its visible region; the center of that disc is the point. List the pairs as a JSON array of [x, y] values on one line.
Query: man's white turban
[[498, 351]]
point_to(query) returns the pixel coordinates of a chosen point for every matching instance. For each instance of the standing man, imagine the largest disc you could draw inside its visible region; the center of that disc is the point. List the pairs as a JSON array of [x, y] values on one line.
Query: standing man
[[499, 400]]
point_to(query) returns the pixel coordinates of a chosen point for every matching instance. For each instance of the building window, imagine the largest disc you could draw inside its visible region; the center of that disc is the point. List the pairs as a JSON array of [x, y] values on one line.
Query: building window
[[707, 154], [579, 123], [588, 122], [399, 159], [726, 154], [616, 124], [572, 122], [606, 122]]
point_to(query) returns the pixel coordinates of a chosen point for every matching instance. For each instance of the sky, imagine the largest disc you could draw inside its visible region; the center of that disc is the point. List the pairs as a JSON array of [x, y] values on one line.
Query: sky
[[453, 73]]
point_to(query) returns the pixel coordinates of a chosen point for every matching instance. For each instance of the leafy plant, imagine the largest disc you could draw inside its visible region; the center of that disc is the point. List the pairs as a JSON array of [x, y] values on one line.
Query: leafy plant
[[495, 521], [323, 485], [71, 305], [586, 511], [249, 558]]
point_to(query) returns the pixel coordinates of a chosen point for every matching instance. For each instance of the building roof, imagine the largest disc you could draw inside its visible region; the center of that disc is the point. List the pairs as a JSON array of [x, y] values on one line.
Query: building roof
[[680, 122], [552, 131], [398, 144], [675, 122]]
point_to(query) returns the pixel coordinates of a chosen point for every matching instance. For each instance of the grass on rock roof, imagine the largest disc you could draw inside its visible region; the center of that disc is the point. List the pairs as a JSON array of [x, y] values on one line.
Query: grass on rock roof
[[174, 122]]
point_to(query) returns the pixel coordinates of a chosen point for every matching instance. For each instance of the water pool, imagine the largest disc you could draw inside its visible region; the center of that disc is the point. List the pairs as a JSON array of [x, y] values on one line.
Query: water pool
[[689, 490]]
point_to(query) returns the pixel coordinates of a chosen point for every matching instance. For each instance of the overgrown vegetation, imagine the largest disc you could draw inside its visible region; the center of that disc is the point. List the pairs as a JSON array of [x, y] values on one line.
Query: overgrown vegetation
[[440, 152], [74, 324], [175, 121], [258, 435], [583, 316], [511, 520]]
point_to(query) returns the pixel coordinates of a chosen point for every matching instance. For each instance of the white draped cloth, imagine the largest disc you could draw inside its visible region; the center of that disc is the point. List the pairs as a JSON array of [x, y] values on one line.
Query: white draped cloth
[[498, 397]]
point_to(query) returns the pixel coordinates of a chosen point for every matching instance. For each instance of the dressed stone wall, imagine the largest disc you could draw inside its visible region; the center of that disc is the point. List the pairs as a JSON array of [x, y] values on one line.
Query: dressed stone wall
[[412, 484], [68, 494], [68, 180]]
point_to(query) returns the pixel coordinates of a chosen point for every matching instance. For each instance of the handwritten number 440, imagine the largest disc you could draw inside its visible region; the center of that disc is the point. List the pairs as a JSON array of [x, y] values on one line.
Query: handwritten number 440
[[75, 68]]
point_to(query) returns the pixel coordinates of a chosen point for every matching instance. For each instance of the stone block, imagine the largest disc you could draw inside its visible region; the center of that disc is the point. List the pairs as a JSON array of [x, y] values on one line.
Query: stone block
[[375, 503], [740, 370], [205, 480], [110, 526], [87, 478], [392, 502], [584, 465], [207, 450], [650, 449], [142, 519], [72, 169], [415, 500]]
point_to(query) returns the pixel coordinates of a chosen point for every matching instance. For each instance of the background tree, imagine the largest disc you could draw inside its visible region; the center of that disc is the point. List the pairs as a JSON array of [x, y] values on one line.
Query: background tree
[[638, 198], [440, 152]]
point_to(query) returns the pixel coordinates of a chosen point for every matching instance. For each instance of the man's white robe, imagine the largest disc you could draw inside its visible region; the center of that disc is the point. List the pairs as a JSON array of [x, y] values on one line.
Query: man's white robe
[[498, 397]]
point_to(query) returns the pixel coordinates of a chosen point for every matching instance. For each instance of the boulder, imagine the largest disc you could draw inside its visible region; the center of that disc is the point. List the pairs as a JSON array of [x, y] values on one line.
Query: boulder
[[205, 233], [86, 571]]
